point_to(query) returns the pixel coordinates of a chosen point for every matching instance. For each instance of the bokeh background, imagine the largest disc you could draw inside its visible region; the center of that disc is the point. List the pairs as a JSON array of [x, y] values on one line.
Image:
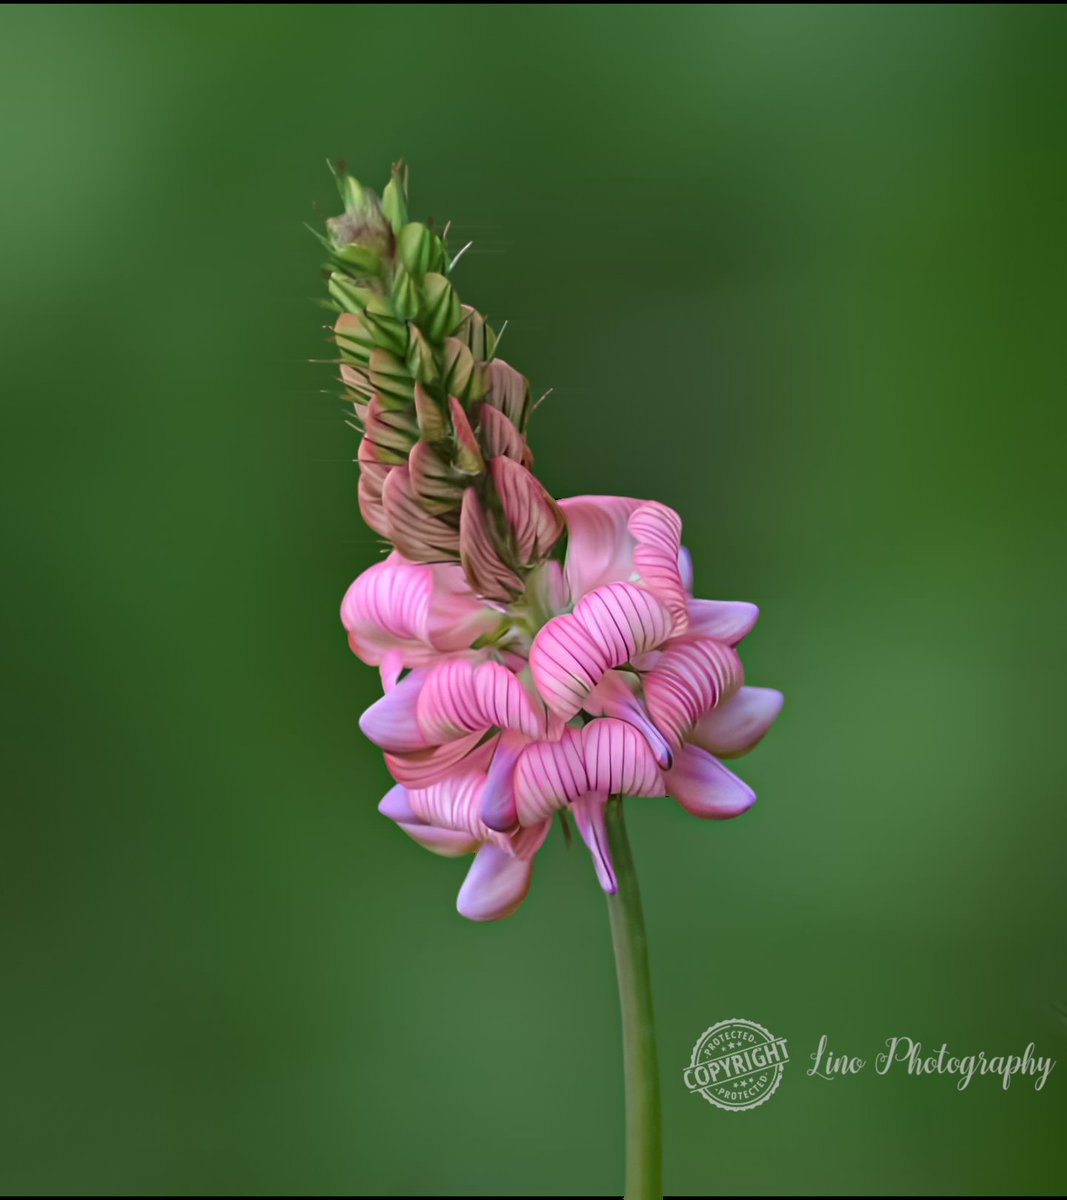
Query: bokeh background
[[797, 271]]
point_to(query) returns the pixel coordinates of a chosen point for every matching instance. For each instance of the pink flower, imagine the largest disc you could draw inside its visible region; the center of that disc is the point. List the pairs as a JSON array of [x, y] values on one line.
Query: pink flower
[[605, 678]]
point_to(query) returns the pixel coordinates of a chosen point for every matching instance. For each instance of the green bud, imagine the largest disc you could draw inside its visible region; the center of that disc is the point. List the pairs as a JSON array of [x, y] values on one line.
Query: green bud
[[421, 360], [404, 294], [420, 249], [389, 377], [441, 311], [389, 332]]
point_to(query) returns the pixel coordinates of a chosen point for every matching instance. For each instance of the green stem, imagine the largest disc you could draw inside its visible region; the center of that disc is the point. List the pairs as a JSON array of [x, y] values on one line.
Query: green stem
[[644, 1177]]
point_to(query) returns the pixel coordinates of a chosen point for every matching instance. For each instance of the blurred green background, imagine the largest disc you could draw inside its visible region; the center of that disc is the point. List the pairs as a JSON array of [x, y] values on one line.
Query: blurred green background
[[797, 271]]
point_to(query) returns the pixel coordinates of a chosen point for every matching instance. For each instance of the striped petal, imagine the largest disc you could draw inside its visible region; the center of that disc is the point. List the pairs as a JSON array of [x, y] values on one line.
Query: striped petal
[[705, 788], [726, 620], [689, 679], [495, 886], [414, 609], [614, 697], [607, 627], [421, 768], [460, 697], [657, 533], [532, 515], [447, 842], [451, 803], [733, 728], [607, 755]]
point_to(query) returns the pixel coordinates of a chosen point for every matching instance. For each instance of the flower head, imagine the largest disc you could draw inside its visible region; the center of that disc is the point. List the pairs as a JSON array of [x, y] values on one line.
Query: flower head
[[627, 685]]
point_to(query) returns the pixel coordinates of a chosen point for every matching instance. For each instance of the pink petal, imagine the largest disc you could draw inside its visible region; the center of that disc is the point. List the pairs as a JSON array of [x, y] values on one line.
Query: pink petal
[[657, 534], [606, 756], [451, 802], [599, 545], [688, 680], [496, 805], [446, 842], [390, 723], [726, 620], [391, 666], [614, 697], [609, 626], [460, 697], [421, 768], [589, 817], [495, 886], [532, 515], [489, 576], [705, 788], [733, 728], [685, 569], [414, 610]]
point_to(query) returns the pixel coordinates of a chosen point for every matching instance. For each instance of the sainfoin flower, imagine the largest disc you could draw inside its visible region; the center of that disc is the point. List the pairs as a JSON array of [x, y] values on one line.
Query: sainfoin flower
[[537, 657], [606, 678]]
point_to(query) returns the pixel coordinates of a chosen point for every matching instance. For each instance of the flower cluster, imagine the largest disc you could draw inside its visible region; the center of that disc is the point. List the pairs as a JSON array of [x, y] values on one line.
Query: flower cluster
[[517, 683], [606, 678]]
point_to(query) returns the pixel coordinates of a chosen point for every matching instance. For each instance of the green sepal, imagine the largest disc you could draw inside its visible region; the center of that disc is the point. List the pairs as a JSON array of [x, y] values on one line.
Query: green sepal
[[433, 421], [405, 295], [395, 197], [441, 312], [422, 362], [420, 249], [390, 379], [361, 259], [459, 373], [350, 296], [389, 332]]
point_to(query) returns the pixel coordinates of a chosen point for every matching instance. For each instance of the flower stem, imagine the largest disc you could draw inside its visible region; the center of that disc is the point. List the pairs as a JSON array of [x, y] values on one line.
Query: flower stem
[[644, 1179]]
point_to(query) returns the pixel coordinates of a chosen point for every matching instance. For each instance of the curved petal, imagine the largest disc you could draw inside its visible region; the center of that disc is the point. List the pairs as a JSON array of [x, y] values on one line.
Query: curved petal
[[726, 620], [495, 886], [446, 842], [589, 817], [424, 767], [607, 755], [413, 609], [733, 728], [688, 680], [496, 804], [614, 697], [609, 626], [390, 721], [599, 545], [460, 697], [451, 803], [657, 533], [685, 569], [705, 788]]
